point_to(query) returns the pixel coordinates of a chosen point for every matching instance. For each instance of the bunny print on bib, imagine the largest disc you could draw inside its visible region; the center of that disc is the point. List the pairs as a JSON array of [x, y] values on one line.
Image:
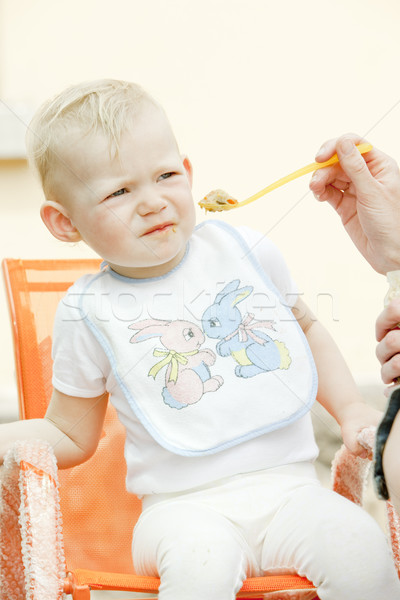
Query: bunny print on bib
[[209, 355]]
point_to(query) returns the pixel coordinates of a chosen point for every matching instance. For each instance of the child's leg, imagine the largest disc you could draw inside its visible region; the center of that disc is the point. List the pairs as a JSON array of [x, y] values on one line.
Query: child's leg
[[197, 552], [334, 543]]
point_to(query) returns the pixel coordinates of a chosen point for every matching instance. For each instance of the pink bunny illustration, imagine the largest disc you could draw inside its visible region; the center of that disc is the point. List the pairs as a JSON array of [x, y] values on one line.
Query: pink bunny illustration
[[187, 375]]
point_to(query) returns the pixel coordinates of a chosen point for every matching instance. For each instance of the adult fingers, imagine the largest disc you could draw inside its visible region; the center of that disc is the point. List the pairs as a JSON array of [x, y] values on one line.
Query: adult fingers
[[329, 147], [390, 370], [389, 346], [388, 319], [354, 165]]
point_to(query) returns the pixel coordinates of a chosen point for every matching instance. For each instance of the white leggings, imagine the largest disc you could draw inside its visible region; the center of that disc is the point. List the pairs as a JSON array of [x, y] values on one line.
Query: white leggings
[[204, 543]]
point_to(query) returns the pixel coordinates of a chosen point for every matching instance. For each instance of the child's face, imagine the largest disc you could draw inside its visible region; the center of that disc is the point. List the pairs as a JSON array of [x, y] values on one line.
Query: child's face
[[135, 210]]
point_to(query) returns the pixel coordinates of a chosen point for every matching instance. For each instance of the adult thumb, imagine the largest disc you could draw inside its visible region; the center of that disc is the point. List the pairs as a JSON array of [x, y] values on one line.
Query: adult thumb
[[354, 165]]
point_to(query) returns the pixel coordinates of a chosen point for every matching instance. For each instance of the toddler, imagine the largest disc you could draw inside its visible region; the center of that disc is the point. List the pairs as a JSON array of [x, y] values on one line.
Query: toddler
[[210, 358]]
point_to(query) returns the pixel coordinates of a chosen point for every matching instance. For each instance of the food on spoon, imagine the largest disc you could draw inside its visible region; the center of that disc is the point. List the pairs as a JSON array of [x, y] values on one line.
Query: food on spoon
[[218, 200]]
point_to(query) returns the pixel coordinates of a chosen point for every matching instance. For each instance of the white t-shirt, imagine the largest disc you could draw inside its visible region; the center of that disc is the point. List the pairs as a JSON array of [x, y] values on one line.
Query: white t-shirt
[[82, 368]]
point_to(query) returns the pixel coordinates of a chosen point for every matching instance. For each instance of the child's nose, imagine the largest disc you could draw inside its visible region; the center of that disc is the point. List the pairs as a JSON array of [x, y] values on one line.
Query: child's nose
[[150, 202]]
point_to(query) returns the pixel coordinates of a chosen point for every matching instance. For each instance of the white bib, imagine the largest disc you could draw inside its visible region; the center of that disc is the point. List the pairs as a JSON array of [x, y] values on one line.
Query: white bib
[[207, 356]]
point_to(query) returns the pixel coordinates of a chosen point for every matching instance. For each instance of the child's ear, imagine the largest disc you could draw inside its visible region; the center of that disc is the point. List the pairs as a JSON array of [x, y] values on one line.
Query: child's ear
[[57, 221], [189, 169]]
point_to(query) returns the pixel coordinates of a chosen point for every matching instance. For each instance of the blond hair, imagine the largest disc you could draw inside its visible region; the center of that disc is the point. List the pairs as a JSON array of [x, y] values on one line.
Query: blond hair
[[104, 105]]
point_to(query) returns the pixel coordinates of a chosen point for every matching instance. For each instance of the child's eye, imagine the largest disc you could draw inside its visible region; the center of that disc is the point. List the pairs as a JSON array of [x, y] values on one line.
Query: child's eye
[[118, 193], [166, 175]]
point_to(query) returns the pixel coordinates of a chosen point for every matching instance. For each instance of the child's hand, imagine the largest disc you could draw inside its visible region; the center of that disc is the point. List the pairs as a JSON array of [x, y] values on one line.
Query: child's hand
[[354, 418]]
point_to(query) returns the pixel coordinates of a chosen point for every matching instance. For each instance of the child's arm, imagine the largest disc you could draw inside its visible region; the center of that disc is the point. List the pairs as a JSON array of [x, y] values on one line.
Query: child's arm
[[337, 391], [71, 425]]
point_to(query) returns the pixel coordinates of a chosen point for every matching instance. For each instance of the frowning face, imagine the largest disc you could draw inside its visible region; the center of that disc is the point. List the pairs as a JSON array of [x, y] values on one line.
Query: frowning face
[[135, 209]]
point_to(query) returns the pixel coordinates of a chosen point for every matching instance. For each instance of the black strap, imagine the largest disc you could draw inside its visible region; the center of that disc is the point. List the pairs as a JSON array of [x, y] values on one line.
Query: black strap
[[382, 435]]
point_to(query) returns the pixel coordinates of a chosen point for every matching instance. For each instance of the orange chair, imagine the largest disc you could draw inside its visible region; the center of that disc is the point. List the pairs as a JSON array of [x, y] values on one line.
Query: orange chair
[[98, 514]]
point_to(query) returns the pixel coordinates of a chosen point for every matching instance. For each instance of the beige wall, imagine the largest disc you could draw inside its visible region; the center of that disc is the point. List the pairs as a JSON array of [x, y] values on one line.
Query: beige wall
[[252, 88]]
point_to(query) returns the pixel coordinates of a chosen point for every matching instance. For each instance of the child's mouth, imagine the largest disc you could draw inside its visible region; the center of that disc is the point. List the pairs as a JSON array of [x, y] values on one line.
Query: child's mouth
[[163, 227]]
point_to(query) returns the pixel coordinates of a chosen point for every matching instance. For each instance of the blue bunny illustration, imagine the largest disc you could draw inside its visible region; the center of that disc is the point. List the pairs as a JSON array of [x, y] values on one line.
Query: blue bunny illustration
[[242, 338]]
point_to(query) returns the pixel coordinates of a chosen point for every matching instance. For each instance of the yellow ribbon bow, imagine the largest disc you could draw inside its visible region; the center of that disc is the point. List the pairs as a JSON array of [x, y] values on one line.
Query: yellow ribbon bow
[[172, 357]]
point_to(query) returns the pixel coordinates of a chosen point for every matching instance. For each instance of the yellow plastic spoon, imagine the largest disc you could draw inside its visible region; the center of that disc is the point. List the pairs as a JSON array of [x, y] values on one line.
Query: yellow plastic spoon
[[219, 200]]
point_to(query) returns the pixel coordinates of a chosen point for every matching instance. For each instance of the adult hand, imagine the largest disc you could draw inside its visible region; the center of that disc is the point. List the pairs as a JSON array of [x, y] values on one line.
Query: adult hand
[[365, 192], [388, 336]]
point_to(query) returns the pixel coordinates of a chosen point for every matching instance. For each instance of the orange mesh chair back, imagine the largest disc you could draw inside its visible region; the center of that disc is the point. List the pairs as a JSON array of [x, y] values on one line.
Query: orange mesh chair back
[[98, 514], [94, 503]]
